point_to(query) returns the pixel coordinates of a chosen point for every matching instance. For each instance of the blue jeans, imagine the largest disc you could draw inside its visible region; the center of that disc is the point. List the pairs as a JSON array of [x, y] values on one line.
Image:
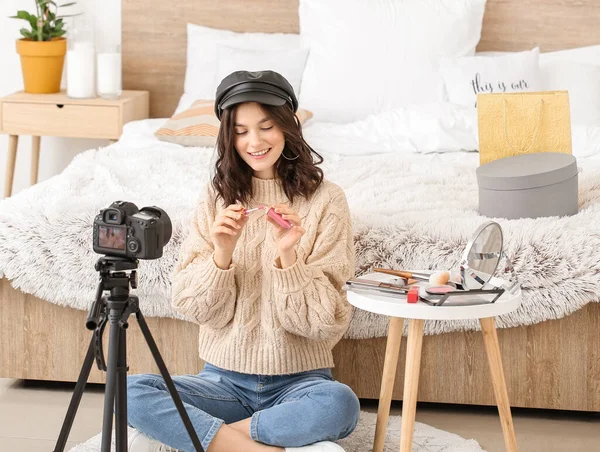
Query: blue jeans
[[286, 410]]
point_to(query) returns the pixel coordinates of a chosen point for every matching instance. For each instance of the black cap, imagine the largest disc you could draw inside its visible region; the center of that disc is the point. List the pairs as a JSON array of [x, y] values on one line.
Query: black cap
[[265, 87]]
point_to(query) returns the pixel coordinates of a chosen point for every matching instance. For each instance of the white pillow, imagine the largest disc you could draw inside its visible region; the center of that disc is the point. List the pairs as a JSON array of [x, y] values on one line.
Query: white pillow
[[583, 83], [583, 55], [367, 57], [289, 63], [586, 140], [422, 128], [465, 77], [200, 74]]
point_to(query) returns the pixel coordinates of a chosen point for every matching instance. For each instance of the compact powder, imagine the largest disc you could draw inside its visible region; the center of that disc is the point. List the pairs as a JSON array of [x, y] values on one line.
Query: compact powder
[[439, 290]]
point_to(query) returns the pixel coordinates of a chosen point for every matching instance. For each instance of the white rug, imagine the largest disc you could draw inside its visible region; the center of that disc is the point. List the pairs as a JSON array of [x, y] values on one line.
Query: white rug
[[425, 439]]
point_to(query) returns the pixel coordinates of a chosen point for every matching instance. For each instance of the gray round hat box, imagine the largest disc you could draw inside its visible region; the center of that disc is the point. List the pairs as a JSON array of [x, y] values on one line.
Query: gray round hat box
[[542, 184]]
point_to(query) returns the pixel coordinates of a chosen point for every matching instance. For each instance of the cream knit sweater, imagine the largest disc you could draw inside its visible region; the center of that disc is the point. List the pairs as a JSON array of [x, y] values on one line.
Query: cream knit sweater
[[256, 317]]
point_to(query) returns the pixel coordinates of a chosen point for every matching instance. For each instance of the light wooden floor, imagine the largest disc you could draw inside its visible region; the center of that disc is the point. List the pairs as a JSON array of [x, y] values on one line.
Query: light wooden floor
[[31, 414]]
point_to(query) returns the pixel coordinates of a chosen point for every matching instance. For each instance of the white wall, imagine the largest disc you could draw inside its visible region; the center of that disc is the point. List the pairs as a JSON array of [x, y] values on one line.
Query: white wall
[[56, 153]]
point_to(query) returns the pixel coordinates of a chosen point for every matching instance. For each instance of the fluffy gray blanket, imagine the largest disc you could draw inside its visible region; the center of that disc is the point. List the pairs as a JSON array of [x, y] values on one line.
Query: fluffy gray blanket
[[409, 211]]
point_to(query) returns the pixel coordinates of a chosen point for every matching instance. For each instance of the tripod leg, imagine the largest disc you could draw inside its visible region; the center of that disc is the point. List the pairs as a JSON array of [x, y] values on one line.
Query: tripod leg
[[169, 382], [76, 398], [121, 395], [111, 380]]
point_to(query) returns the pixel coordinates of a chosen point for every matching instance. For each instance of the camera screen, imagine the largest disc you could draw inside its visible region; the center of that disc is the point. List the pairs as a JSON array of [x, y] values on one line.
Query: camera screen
[[112, 237]]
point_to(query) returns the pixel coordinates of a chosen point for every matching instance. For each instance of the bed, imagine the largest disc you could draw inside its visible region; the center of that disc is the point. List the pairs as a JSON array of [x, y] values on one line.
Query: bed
[[551, 348]]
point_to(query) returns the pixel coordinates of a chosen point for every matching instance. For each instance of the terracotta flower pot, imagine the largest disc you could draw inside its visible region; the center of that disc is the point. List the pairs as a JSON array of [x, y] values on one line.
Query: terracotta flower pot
[[42, 64]]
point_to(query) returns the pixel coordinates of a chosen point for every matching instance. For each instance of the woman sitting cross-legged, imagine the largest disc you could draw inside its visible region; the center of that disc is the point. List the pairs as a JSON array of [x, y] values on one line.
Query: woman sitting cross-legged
[[265, 291]]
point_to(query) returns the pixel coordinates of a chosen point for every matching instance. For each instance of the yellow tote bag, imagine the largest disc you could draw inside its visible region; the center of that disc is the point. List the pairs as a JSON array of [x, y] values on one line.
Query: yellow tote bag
[[523, 123]]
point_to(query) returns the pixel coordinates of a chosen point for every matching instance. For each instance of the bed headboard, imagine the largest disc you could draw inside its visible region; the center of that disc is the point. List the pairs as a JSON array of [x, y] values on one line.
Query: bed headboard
[[154, 33]]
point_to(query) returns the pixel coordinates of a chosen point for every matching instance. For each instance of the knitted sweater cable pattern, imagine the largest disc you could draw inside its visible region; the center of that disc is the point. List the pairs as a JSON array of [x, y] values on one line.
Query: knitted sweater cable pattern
[[255, 317]]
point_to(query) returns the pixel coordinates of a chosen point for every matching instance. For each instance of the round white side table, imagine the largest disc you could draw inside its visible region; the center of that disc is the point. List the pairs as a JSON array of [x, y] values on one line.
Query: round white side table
[[398, 309]]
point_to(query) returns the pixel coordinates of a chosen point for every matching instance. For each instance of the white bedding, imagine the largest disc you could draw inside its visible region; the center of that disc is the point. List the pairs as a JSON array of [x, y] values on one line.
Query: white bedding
[[410, 210]]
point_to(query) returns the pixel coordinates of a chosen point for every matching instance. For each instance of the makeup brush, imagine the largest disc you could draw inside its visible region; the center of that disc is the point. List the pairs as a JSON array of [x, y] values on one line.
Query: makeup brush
[[439, 278], [404, 274], [409, 281]]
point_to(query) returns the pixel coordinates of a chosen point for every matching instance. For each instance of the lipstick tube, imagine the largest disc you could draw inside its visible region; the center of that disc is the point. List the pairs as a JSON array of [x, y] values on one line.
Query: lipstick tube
[[278, 219]]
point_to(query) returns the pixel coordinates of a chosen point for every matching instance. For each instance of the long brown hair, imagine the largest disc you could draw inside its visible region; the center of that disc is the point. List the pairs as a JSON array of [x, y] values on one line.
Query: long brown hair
[[233, 176]]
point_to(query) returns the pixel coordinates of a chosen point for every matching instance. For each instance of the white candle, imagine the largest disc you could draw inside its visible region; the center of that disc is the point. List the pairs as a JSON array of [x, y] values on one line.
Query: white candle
[[109, 75], [81, 70]]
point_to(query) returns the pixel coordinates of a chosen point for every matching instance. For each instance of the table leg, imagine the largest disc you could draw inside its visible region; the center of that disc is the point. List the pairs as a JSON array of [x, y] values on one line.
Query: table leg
[[392, 352], [13, 142], [411, 383], [35, 159], [490, 338]]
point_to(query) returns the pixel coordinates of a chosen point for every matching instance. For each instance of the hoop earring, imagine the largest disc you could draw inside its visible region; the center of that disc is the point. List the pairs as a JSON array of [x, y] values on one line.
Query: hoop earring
[[287, 158]]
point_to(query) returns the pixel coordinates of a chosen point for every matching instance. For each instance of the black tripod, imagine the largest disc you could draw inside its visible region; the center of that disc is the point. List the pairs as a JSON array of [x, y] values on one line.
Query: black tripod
[[116, 308]]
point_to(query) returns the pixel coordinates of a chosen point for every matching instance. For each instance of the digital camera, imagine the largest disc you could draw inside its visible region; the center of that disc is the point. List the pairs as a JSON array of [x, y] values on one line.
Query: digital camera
[[123, 230]]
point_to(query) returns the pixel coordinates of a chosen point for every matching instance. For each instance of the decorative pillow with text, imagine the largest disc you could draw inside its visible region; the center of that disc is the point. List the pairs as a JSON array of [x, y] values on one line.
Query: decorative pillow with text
[[465, 77]]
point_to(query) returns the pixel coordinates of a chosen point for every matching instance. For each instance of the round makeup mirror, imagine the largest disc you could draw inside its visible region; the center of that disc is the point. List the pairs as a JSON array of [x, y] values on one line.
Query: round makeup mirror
[[481, 256]]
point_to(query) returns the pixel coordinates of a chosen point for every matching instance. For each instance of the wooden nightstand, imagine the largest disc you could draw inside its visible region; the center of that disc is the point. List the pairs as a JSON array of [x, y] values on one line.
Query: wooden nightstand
[[60, 116]]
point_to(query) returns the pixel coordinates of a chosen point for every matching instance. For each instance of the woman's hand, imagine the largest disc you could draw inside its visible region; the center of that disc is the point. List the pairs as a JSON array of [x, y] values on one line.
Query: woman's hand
[[225, 233], [286, 238]]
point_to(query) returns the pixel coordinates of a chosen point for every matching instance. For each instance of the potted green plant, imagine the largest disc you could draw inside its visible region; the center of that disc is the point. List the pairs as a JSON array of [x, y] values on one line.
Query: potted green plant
[[42, 48]]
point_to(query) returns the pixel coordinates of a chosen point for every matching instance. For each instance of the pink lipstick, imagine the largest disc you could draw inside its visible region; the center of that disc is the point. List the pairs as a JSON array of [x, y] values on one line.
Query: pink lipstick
[[271, 213], [279, 219]]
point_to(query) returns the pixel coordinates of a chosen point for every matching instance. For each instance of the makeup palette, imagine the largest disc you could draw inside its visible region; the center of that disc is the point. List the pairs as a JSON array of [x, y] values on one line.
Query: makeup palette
[[439, 290]]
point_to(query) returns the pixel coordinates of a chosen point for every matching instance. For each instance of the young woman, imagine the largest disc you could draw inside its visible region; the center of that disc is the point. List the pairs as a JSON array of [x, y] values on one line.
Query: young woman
[[268, 299]]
